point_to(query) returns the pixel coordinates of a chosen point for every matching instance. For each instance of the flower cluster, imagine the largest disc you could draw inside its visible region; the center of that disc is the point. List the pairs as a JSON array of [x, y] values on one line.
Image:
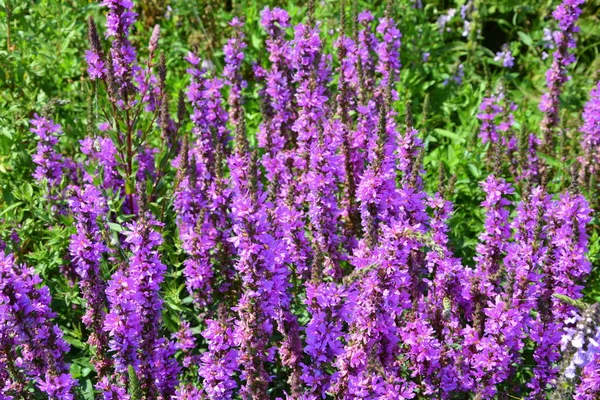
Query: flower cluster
[[305, 259], [33, 348]]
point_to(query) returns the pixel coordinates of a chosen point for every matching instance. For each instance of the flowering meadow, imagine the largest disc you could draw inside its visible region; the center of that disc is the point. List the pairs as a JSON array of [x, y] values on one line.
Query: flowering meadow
[[320, 200]]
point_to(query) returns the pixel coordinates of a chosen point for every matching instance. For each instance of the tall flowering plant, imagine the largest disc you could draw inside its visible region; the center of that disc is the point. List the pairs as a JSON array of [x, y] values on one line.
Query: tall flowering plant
[[305, 260]]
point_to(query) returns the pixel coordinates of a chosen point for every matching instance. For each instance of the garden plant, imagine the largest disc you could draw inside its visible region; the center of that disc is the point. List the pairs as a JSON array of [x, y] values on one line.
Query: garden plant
[[289, 200]]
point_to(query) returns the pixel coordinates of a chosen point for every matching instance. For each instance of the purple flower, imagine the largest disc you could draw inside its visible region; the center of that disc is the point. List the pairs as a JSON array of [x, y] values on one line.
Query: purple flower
[[187, 392], [444, 19], [505, 57], [202, 199], [50, 164], [457, 76], [579, 343], [494, 239], [32, 347], [589, 388], [388, 51], [134, 317], [497, 119], [566, 14], [219, 364], [87, 248], [102, 156], [326, 302], [186, 343], [380, 296], [119, 20], [322, 184], [234, 55], [96, 66]]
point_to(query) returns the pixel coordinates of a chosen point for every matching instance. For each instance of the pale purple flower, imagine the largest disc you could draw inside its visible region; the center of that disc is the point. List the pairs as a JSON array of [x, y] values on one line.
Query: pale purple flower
[[505, 57]]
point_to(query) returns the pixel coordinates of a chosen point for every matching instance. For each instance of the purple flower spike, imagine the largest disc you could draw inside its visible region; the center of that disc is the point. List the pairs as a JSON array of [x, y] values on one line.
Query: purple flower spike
[[220, 363], [590, 141], [50, 164], [32, 347], [87, 247], [134, 317], [119, 20], [566, 14]]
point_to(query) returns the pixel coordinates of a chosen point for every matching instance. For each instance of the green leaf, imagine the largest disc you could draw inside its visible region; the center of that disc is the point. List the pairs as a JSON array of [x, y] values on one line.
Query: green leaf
[[115, 227], [449, 135], [9, 208], [74, 342], [551, 160], [525, 38], [27, 190], [474, 170]]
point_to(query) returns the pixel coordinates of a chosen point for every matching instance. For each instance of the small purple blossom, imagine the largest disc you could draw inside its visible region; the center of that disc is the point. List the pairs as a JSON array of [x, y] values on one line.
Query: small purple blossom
[[505, 57]]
